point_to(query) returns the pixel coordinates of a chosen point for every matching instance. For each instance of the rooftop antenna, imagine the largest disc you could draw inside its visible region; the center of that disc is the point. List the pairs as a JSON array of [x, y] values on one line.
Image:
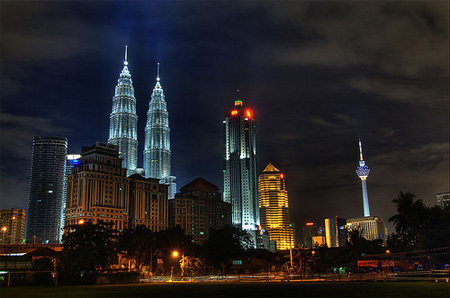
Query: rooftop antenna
[[157, 73], [126, 56]]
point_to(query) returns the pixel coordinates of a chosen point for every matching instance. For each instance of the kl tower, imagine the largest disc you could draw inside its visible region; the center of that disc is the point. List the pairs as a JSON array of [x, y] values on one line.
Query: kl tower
[[363, 172]]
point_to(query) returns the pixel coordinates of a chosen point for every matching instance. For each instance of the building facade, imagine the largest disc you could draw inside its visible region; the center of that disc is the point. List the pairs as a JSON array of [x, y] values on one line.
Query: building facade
[[335, 231], [274, 207], [12, 226], [157, 154], [363, 172], [123, 120], [71, 161], [198, 208], [48, 166], [371, 228], [148, 203], [239, 167], [442, 199], [98, 189]]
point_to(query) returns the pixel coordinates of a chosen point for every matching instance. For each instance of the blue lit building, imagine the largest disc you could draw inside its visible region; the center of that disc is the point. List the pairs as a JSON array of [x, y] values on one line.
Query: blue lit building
[[123, 120], [157, 154]]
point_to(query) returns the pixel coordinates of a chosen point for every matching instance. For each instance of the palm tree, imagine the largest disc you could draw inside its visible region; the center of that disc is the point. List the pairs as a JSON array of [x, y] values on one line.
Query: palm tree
[[409, 210]]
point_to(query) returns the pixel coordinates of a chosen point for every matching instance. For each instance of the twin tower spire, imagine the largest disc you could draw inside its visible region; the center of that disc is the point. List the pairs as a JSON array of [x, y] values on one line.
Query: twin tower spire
[[123, 130]]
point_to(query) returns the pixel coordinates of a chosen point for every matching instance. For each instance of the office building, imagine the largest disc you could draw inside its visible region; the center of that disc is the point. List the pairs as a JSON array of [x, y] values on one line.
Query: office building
[[442, 199], [239, 167], [71, 161], [12, 226], [148, 203], [363, 172], [48, 166], [98, 189], [274, 207], [335, 231], [157, 154], [198, 208], [123, 120], [371, 228], [311, 230]]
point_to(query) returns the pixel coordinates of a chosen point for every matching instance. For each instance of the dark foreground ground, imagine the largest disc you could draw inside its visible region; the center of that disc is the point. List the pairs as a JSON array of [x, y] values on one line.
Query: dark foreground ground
[[305, 289]]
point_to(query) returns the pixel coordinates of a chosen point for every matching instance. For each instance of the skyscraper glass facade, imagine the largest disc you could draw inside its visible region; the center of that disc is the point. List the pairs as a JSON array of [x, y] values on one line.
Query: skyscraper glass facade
[[157, 154], [239, 167], [274, 207], [123, 120], [48, 166]]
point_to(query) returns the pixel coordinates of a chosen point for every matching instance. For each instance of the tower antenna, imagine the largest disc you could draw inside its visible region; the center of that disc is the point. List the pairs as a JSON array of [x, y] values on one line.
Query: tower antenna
[[157, 72], [126, 56]]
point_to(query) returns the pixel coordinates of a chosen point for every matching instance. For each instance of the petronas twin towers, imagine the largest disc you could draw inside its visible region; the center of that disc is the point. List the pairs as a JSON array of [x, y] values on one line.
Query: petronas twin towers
[[123, 130]]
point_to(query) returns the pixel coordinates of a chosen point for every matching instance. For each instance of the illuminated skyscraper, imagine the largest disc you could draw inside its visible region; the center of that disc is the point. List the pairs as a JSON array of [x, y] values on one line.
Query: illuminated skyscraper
[[123, 120], [157, 155], [274, 207], [363, 172], [48, 166], [239, 167]]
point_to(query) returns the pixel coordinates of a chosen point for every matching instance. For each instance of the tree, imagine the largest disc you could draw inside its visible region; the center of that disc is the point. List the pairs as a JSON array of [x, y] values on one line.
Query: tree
[[139, 245], [409, 212], [224, 243], [87, 249]]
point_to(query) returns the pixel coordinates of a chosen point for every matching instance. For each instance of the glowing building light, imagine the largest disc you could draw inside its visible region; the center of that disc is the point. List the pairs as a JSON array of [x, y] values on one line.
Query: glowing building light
[[249, 113], [234, 112], [309, 224], [282, 176]]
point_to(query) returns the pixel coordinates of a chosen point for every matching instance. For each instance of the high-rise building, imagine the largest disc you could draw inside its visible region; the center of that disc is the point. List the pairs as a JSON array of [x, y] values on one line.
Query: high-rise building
[[239, 167], [274, 207], [198, 208], [98, 189], [335, 231], [123, 120], [48, 167], [149, 206], [311, 232], [12, 226], [363, 172], [157, 154], [71, 161], [371, 228], [442, 199]]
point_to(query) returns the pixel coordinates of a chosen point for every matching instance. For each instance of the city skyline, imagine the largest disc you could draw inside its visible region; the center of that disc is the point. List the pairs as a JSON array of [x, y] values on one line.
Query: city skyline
[[318, 76]]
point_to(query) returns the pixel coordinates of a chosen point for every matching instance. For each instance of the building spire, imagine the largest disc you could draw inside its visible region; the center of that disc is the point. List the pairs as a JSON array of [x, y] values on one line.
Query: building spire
[[360, 151], [157, 73], [126, 56]]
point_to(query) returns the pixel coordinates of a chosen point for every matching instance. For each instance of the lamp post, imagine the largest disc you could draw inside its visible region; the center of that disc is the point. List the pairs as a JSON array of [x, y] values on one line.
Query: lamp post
[[174, 255]]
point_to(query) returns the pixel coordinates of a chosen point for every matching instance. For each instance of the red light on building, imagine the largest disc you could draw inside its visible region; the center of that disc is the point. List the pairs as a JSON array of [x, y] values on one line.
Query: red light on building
[[282, 176], [249, 113], [309, 224], [234, 112]]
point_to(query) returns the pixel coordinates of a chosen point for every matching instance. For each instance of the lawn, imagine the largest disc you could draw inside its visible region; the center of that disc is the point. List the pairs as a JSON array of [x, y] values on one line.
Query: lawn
[[306, 289]]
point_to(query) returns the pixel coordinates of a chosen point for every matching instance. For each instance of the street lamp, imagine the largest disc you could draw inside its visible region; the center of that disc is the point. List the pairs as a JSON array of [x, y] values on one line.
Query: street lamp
[[174, 255]]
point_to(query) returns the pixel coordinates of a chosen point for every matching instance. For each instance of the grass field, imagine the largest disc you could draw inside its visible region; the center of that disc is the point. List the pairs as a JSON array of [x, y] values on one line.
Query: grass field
[[306, 289]]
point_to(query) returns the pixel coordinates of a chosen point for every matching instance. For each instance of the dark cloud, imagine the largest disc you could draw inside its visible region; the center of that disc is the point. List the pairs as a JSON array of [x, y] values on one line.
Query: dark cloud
[[318, 75]]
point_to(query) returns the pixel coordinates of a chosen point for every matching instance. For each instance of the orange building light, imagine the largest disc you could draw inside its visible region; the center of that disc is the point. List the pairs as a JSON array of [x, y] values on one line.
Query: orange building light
[[282, 176], [234, 112], [309, 224], [249, 113]]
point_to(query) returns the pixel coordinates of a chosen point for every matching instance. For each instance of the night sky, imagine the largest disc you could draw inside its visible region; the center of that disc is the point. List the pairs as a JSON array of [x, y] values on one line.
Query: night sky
[[318, 76]]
